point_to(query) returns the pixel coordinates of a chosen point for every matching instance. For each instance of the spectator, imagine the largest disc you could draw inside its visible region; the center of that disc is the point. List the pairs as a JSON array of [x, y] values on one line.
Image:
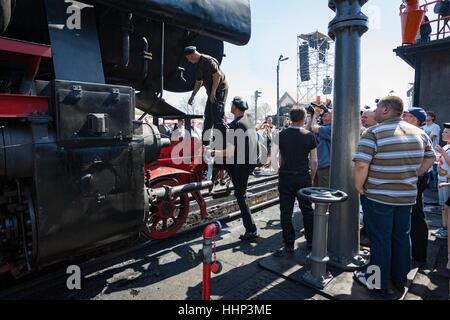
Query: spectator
[[368, 120], [443, 177], [179, 131], [286, 124], [267, 130], [297, 152], [419, 228], [447, 203], [432, 129], [197, 129], [389, 159], [323, 135], [425, 30]]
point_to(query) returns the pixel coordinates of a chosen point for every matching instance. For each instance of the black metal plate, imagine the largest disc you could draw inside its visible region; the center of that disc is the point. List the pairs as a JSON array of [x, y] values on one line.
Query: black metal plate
[[76, 53], [87, 197], [72, 108]]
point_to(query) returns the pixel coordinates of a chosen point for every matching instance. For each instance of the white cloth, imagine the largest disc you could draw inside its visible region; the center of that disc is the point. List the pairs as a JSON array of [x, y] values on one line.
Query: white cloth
[[443, 167], [433, 130]]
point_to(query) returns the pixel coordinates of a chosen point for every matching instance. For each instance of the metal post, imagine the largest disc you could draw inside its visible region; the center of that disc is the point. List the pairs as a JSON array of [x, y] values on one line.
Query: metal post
[[209, 261], [257, 95], [318, 276], [280, 59], [256, 108], [346, 29], [278, 92]]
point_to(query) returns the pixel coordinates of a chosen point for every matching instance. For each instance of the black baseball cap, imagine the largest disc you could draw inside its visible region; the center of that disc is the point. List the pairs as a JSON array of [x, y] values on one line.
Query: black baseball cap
[[189, 50], [240, 103], [447, 125]]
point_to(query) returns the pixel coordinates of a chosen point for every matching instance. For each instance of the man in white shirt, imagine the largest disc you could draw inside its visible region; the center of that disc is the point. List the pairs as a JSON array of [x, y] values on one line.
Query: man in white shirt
[[179, 131], [432, 129], [434, 132]]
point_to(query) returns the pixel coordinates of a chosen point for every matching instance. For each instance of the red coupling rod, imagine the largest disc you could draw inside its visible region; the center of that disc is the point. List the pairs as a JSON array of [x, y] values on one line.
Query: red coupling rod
[[210, 264]]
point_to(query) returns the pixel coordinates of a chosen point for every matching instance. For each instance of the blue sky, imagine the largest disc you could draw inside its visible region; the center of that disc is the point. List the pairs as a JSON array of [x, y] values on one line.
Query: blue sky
[[275, 27]]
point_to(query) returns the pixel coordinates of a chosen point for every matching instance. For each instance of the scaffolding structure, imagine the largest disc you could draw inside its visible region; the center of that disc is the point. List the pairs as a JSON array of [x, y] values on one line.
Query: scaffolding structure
[[315, 67]]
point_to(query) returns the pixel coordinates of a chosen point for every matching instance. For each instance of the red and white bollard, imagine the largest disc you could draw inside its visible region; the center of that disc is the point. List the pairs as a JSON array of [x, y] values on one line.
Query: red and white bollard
[[208, 253]]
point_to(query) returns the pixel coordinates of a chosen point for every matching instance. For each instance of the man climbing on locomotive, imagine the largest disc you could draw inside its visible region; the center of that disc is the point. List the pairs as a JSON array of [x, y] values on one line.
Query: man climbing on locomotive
[[213, 79]]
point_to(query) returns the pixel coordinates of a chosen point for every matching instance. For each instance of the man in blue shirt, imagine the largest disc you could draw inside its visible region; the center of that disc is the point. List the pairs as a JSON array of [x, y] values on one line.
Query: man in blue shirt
[[323, 136]]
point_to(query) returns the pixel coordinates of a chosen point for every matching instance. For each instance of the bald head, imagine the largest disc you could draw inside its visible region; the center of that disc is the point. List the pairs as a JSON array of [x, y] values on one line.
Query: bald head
[[368, 119]]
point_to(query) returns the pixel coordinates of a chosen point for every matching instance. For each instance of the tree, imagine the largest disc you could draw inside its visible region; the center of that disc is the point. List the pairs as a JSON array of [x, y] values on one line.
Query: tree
[[263, 110]]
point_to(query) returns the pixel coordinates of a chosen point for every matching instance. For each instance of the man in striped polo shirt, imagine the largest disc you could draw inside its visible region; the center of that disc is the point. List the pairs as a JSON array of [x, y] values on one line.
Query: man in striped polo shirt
[[390, 157]]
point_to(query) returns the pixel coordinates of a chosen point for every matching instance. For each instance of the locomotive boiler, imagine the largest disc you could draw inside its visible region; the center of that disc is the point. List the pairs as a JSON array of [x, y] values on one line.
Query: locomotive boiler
[[72, 154]]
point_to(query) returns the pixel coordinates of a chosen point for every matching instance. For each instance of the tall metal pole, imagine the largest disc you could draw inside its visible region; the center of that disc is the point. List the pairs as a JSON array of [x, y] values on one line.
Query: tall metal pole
[[278, 93], [346, 29], [256, 107], [257, 95]]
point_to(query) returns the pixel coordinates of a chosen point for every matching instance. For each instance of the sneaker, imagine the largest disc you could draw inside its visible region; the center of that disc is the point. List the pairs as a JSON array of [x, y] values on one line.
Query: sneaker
[[289, 248], [283, 252], [361, 278], [442, 235], [385, 294], [249, 236]]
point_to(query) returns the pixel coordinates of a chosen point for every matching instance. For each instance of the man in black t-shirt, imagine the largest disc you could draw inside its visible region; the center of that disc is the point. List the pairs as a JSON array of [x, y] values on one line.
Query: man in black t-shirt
[[240, 157], [298, 150], [213, 79]]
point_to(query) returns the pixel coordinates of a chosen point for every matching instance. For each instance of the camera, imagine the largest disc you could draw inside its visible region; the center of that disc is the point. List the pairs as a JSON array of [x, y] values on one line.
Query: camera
[[313, 107]]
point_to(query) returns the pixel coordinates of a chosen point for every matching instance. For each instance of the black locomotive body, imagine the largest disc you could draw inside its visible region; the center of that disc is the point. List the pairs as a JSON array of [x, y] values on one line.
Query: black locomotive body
[[71, 152]]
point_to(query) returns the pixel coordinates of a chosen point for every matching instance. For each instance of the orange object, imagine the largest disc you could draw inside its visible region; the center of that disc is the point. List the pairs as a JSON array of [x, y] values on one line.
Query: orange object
[[412, 17]]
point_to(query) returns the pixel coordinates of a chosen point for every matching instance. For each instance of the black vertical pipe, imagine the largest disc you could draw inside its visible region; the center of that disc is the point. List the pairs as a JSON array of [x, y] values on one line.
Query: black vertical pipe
[[418, 75], [346, 29]]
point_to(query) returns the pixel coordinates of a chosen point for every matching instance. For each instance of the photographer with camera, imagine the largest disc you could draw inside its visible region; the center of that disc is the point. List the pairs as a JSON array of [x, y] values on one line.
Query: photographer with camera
[[320, 125]]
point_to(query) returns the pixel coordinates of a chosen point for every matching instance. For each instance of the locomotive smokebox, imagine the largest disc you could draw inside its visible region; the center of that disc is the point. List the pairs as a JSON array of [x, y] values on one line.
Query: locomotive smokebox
[[153, 143]]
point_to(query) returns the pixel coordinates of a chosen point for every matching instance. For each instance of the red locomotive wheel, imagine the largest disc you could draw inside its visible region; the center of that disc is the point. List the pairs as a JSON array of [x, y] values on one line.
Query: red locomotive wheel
[[167, 216]]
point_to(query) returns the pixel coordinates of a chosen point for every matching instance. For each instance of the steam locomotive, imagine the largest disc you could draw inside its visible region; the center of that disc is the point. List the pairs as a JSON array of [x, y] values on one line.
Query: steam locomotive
[[71, 152]]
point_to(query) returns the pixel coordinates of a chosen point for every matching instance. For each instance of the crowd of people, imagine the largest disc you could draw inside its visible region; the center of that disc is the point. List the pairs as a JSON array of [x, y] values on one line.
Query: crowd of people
[[398, 153]]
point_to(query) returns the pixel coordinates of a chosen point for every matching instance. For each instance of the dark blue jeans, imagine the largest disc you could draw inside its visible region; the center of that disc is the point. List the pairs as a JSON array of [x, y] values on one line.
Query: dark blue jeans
[[388, 228]]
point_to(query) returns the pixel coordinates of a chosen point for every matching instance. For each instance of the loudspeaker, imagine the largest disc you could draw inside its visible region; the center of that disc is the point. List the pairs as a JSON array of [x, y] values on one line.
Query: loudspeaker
[[304, 62], [327, 85], [324, 47]]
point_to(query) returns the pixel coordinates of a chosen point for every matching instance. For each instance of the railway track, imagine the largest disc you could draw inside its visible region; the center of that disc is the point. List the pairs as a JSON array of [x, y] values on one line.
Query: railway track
[[262, 193]]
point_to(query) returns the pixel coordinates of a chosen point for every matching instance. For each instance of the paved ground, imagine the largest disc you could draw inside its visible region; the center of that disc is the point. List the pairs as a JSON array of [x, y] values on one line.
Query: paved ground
[[162, 272]]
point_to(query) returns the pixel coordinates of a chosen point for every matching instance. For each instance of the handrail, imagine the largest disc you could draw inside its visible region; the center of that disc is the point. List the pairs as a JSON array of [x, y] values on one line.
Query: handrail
[[441, 31]]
